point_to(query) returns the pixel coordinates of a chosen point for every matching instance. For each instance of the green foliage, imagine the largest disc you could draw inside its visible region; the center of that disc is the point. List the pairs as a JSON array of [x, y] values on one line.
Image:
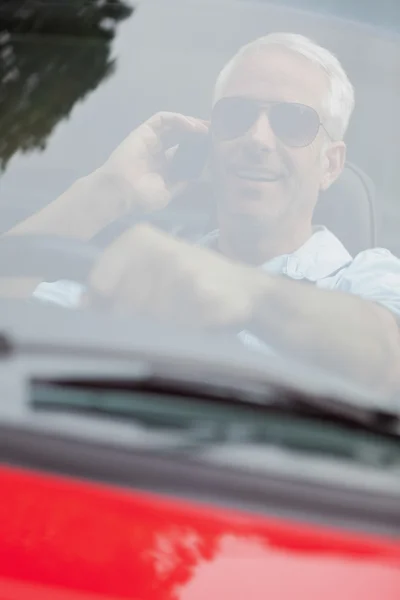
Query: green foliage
[[52, 54]]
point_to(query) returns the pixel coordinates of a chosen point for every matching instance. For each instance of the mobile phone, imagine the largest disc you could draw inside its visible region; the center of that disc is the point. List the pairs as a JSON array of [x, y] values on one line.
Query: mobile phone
[[190, 157]]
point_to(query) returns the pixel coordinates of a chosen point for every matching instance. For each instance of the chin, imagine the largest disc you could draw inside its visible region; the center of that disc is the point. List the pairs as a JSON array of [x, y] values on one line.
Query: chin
[[256, 205], [254, 222]]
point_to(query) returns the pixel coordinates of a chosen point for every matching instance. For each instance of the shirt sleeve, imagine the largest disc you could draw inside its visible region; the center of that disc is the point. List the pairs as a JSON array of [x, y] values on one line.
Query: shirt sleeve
[[67, 294], [375, 276]]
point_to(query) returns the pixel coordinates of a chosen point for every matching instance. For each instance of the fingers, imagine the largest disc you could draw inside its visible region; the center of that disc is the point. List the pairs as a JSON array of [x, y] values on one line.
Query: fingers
[[152, 189], [163, 122], [171, 127], [151, 274], [170, 153], [126, 257], [162, 131], [133, 272]]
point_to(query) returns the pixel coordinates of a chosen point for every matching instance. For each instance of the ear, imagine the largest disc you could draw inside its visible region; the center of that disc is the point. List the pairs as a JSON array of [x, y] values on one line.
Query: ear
[[333, 160]]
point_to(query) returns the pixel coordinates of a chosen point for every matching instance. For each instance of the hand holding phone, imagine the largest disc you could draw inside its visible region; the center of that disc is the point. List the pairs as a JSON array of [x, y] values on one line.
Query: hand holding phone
[[142, 167]]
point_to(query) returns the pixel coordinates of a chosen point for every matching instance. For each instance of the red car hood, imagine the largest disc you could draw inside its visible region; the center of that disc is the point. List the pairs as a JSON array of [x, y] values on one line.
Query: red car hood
[[70, 540]]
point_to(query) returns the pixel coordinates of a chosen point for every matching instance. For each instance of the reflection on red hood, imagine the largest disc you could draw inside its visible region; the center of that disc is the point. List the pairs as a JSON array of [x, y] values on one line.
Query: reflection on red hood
[[93, 541]]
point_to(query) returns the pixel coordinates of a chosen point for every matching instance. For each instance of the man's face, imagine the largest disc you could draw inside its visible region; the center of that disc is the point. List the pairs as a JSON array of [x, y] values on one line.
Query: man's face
[[256, 175]]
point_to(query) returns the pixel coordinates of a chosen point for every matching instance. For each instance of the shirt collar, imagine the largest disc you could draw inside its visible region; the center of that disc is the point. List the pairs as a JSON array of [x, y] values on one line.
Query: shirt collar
[[319, 257]]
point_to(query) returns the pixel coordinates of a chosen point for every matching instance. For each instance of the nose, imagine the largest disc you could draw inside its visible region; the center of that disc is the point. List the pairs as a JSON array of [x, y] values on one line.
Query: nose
[[261, 133]]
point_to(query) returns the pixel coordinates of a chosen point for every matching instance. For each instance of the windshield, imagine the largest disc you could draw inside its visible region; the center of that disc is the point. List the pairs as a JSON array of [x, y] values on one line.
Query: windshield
[[223, 168]]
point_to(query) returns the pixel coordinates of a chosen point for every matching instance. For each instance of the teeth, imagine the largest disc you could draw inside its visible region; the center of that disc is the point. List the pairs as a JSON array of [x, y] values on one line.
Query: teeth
[[257, 176]]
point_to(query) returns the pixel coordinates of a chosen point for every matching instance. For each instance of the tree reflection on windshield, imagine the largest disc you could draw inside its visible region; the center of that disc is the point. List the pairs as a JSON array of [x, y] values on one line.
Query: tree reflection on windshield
[[51, 56]]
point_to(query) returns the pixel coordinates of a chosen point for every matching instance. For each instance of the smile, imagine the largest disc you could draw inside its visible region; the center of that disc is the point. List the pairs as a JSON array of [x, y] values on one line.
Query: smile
[[257, 175]]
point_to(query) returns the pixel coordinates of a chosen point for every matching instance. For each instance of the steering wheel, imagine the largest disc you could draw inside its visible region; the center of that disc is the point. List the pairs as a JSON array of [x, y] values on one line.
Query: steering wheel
[[49, 258], [53, 258]]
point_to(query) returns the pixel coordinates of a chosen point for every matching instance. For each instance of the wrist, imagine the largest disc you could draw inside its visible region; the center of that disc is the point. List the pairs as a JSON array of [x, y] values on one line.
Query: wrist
[[263, 299], [106, 197], [94, 202]]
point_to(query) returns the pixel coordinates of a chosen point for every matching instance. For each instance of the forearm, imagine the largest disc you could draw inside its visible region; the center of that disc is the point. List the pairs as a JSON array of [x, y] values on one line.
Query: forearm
[[82, 211], [358, 339], [90, 204]]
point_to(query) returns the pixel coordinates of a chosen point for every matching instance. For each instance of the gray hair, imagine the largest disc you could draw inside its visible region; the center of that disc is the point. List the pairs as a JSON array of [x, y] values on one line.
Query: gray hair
[[338, 106]]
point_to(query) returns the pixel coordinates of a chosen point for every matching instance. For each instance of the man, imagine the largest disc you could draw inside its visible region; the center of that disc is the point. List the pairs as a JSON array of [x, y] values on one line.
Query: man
[[281, 109]]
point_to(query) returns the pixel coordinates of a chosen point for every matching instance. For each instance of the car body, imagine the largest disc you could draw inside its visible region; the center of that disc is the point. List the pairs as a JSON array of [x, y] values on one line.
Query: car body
[[79, 540], [182, 495]]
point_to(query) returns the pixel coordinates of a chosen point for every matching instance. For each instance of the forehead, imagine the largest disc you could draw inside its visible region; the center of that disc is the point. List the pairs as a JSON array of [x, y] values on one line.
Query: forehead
[[274, 73]]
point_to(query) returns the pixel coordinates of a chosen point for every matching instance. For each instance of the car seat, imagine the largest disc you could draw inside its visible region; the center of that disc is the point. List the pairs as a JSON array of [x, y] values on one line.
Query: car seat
[[347, 208]]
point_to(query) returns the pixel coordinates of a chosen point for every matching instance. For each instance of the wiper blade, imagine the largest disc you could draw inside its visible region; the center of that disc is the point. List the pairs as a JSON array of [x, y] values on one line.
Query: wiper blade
[[113, 398]]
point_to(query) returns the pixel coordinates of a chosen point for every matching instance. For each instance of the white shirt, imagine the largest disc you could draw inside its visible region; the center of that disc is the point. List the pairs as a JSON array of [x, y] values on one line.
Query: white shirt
[[323, 260]]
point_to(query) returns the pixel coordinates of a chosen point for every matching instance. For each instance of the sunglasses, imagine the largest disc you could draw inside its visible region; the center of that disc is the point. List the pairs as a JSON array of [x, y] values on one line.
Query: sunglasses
[[296, 125]]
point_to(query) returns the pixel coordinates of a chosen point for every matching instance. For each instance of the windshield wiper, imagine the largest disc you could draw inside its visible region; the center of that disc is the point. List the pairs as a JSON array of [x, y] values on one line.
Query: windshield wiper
[[135, 399]]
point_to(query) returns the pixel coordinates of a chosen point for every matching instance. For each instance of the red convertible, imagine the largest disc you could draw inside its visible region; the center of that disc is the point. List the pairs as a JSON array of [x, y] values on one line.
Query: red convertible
[[149, 463]]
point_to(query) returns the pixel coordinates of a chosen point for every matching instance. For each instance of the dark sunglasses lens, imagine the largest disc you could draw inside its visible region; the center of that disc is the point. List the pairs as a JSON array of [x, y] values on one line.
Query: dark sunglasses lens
[[296, 125], [233, 117]]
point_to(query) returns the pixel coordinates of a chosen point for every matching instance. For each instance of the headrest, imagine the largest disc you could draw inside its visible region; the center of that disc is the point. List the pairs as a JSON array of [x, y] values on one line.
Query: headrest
[[347, 209]]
